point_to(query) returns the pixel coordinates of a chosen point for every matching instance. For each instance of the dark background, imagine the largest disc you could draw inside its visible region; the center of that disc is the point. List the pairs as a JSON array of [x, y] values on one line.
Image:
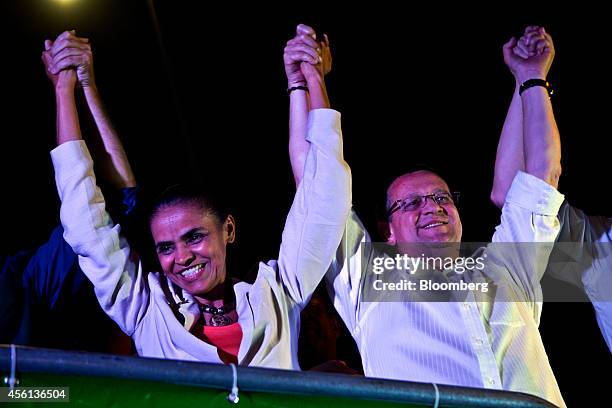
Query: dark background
[[412, 85]]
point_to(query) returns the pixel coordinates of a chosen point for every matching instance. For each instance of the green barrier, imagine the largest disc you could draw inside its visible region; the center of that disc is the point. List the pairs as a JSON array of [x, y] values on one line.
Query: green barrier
[[109, 392], [100, 380]]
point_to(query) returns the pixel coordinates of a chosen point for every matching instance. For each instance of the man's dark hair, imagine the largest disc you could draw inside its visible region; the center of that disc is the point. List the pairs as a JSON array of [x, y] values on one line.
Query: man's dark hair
[[383, 213]]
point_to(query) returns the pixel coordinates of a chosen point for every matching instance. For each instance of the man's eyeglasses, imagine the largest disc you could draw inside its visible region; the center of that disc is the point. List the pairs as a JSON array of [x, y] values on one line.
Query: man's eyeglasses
[[415, 202]]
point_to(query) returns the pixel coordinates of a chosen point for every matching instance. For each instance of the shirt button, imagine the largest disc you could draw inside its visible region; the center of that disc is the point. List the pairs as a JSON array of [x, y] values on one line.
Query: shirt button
[[466, 306], [490, 381], [478, 341]]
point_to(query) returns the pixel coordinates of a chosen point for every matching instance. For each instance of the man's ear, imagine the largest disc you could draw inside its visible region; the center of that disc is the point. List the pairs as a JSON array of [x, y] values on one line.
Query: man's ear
[[385, 230], [230, 229]]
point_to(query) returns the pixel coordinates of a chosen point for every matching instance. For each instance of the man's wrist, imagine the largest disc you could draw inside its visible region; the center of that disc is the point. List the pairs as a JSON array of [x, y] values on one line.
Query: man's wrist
[[89, 88], [525, 76], [536, 83], [64, 89], [315, 79]]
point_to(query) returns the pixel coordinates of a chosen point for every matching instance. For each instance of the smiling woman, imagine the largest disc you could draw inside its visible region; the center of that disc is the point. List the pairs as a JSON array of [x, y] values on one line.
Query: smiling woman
[[191, 233], [191, 311]]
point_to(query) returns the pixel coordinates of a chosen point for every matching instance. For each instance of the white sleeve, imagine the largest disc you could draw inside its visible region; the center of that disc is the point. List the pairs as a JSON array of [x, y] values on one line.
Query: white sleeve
[[590, 237], [104, 256], [529, 222], [344, 277], [321, 205]]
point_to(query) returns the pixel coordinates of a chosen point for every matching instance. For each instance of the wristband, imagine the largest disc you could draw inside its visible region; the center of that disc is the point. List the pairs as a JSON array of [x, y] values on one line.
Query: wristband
[[530, 83], [293, 88]]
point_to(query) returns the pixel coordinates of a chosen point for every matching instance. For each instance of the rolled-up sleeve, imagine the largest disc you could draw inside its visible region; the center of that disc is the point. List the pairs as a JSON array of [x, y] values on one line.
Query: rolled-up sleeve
[[315, 223], [529, 221], [104, 256]]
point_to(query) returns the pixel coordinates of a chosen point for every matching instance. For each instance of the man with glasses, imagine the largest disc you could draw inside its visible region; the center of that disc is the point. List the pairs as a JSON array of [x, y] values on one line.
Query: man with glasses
[[487, 340]]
